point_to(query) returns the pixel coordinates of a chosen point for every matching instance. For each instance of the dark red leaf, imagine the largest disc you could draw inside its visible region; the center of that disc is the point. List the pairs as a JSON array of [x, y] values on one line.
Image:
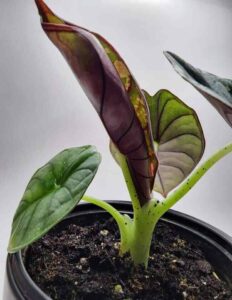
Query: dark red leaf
[[112, 90]]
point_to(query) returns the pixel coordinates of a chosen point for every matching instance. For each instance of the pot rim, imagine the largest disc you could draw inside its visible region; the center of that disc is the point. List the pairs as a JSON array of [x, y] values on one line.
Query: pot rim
[[203, 230]]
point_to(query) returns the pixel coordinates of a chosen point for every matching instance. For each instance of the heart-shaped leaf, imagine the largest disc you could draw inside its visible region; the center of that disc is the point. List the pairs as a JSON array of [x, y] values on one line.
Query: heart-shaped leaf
[[218, 91], [178, 137], [53, 191], [113, 91]]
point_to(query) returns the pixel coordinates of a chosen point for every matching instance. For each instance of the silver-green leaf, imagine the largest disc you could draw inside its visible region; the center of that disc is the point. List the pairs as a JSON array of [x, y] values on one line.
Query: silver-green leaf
[[53, 191], [178, 137], [218, 91]]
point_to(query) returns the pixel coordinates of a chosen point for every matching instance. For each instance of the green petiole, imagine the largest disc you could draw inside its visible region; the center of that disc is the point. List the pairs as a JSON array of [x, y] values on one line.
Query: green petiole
[[196, 175], [123, 221], [136, 233]]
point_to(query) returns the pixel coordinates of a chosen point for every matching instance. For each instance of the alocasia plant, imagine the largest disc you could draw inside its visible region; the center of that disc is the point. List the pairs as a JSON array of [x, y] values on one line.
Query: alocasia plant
[[156, 140]]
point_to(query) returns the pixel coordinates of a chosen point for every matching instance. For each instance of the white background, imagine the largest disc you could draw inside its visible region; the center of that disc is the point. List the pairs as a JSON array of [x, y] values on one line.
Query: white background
[[43, 109]]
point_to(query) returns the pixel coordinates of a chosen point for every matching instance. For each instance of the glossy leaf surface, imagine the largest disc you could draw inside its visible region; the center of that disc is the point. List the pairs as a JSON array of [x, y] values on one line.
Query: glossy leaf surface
[[218, 91], [112, 90], [53, 191], [179, 138]]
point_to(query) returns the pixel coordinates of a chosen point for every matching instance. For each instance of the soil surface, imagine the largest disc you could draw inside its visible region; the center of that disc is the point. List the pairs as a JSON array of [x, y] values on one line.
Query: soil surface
[[82, 262]]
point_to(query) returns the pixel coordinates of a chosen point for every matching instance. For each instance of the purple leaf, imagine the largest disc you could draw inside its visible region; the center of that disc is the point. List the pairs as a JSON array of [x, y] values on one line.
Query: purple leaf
[[112, 90]]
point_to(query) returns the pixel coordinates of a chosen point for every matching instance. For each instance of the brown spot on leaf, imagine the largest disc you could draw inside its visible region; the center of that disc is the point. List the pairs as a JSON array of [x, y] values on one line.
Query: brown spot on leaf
[[123, 73]]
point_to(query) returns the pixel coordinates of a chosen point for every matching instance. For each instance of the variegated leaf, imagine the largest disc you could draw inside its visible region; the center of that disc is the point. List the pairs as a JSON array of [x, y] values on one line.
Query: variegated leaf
[[113, 91], [217, 90]]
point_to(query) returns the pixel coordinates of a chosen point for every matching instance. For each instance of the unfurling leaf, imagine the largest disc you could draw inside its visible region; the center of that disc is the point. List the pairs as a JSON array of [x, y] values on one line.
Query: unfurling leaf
[[113, 92], [178, 137], [218, 91], [53, 191]]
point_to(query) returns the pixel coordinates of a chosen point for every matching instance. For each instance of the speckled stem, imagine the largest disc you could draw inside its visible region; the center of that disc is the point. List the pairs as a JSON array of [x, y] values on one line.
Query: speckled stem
[[187, 185], [141, 232], [136, 234]]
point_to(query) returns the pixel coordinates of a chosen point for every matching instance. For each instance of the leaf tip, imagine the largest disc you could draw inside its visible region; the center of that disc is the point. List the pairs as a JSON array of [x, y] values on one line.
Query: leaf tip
[[43, 9], [171, 57], [46, 14], [165, 52]]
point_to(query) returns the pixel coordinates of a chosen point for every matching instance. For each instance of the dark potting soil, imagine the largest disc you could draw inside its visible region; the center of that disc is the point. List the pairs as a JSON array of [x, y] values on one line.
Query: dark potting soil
[[82, 262]]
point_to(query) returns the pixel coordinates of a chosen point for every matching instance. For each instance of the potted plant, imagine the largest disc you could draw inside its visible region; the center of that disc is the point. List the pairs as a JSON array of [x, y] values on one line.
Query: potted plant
[[60, 250]]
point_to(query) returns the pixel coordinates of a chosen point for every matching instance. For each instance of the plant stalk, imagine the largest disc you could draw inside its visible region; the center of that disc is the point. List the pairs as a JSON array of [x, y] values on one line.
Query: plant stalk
[[196, 175], [141, 233], [123, 221]]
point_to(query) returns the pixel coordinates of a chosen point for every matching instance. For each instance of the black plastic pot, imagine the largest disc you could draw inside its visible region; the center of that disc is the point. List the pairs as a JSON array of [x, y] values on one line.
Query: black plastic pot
[[216, 245]]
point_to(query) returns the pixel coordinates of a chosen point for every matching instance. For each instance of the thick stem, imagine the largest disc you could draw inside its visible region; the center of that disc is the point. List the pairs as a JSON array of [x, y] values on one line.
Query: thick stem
[[136, 234], [187, 185], [142, 231]]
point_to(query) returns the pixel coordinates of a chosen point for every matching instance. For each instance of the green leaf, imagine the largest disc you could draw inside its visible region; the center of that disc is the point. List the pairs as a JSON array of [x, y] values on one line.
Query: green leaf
[[178, 137], [53, 191], [218, 91]]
